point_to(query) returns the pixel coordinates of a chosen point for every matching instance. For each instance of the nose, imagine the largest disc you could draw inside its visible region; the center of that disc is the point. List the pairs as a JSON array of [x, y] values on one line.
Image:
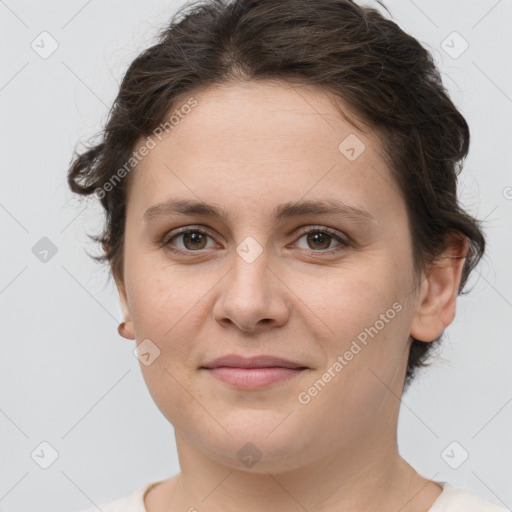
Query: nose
[[252, 297]]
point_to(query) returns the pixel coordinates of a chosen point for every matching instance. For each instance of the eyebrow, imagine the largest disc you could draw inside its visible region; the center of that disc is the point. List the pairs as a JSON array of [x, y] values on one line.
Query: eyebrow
[[280, 212]]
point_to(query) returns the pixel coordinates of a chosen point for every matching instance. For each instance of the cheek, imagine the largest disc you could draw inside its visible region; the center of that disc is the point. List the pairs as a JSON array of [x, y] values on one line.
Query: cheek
[[364, 315], [365, 351], [166, 309], [348, 300], [158, 292], [171, 308]]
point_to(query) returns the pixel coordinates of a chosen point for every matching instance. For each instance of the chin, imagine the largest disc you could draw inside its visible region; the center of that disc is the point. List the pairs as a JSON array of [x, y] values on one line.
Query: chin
[[258, 441]]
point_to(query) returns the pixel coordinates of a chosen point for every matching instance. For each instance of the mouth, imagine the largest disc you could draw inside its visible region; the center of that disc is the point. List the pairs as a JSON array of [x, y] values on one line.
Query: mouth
[[253, 372]]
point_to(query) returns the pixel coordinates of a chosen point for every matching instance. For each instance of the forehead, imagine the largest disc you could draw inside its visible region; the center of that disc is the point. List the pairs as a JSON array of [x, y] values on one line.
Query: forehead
[[277, 114], [259, 140]]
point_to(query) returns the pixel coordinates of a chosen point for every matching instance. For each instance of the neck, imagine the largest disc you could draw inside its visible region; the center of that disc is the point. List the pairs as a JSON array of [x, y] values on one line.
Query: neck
[[376, 478]]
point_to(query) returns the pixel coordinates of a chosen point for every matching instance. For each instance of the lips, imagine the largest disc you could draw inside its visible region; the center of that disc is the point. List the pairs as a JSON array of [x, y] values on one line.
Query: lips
[[235, 361], [252, 373]]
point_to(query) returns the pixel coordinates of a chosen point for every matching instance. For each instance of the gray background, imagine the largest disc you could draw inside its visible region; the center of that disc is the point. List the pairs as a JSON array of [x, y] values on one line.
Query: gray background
[[68, 379]]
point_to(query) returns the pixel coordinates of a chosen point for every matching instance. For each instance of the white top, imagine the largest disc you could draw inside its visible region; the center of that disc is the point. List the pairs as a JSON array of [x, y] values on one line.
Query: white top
[[450, 500]]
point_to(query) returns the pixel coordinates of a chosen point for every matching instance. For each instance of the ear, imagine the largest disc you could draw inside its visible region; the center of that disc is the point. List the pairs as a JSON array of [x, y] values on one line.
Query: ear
[[126, 328], [438, 292]]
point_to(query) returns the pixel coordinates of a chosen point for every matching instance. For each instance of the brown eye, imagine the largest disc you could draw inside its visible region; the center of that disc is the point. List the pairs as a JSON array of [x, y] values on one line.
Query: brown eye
[[192, 239], [320, 240]]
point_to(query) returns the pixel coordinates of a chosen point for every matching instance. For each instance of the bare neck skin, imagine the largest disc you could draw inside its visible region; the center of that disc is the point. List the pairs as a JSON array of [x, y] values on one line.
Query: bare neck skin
[[400, 487]]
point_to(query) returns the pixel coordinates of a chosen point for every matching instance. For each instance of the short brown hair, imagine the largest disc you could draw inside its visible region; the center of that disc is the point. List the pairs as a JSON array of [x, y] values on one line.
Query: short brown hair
[[383, 74]]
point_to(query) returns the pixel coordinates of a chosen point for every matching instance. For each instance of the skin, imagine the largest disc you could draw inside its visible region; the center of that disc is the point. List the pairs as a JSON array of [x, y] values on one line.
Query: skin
[[250, 147]]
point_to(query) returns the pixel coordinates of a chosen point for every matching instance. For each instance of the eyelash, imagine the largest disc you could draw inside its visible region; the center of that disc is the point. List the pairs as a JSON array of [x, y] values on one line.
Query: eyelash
[[315, 229]]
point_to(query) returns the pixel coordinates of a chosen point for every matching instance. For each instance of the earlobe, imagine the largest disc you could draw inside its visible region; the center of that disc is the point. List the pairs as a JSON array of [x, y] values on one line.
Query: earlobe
[[125, 328], [437, 301], [124, 332]]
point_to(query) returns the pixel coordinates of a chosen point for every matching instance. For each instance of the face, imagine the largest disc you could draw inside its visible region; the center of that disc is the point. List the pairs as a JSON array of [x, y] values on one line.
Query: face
[[332, 291]]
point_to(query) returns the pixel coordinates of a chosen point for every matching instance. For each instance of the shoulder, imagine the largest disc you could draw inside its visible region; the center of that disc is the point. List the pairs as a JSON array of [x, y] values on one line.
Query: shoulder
[[454, 499], [134, 502]]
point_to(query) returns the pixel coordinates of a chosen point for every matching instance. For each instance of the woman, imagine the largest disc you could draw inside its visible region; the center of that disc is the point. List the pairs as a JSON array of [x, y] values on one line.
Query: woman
[[282, 224]]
